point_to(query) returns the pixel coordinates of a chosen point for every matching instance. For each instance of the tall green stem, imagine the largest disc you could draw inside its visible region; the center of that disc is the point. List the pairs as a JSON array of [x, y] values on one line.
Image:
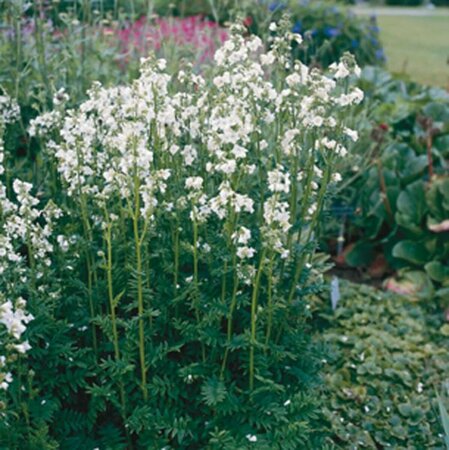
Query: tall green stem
[[254, 318], [313, 222], [40, 42], [112, 306], [176, 258], [231, 312], [111, 291], [140, 306], [196, 282], [270, 300]]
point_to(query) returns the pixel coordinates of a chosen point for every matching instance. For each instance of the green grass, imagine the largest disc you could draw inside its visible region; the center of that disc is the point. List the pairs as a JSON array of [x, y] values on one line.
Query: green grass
[[418, 46]]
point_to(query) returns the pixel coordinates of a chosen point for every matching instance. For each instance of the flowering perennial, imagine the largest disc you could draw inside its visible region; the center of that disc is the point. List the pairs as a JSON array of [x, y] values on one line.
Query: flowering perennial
[[197, 200]]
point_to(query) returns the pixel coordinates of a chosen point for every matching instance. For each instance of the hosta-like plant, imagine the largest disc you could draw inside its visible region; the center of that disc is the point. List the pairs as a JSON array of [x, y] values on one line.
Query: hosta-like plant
[[187, 246]]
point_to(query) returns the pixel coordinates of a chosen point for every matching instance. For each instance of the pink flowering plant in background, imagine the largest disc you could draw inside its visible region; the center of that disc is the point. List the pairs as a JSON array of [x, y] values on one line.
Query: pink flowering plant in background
[[195, 35]]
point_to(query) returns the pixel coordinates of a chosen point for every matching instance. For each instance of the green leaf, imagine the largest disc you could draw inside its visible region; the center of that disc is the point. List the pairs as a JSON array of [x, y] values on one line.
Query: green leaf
[[411, 206], [213, 391], [444, 420], [437, 271], [361, 254], [414, 252]]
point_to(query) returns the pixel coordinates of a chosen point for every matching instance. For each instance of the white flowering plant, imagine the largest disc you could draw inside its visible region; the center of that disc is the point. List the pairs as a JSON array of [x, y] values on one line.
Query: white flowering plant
[[185, 250]]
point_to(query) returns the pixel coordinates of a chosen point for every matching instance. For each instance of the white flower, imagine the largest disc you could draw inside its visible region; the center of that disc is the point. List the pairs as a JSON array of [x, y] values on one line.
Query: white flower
[[339, 70], [245, 252], [23, 347], [267, 59], [278, 181], [195, 183], [351, 133], [251, 437], [336, 177], [242, 236], [63, 242]]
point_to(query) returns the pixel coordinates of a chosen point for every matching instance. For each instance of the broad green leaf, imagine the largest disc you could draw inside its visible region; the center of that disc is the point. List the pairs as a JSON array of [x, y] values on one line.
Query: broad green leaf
[[361, 254], [437, 271], [414, 252]]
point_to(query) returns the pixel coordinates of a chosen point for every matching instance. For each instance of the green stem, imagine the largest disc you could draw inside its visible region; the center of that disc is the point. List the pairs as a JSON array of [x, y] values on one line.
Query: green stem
[[196, 283], [254, 318], [91, 274], [111, 291], [230, 313], [313, 223], [176, 263], [270, 300], [140, 306], [91, 302], [112, 305], [302, 261], [40, 42]]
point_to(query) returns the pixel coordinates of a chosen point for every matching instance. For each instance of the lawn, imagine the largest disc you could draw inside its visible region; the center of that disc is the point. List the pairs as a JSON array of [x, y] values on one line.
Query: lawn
[[418, 46]]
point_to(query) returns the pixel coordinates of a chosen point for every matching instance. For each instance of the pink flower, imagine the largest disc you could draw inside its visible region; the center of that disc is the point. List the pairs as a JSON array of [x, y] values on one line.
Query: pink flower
[[196, 33]]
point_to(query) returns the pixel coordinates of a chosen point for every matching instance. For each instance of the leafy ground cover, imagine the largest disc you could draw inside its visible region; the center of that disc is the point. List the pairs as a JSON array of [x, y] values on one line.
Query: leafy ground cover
[[388, 361]]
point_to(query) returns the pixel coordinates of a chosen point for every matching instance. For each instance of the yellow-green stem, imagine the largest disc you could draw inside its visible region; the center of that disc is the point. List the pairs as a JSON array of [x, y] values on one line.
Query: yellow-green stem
[[140, 306], [112, 306], [270, 300], [196, 283], [254, 317]]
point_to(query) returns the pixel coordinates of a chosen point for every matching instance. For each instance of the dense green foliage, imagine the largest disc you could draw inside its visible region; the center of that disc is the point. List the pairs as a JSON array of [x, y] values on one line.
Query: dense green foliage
[[400, 189], [389, 359]]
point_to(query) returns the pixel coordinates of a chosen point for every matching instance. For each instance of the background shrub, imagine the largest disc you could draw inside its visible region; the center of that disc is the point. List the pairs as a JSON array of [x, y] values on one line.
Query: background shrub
[[403, 2], [329, 30], [399, 188]]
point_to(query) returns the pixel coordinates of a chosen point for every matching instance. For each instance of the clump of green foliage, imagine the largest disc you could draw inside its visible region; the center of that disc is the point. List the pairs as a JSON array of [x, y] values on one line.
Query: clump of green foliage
[[398, 183], [389, 357]]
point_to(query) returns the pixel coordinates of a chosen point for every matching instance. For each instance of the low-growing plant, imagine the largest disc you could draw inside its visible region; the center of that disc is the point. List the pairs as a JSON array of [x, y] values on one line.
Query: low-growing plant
[[170, 301], [389, 356]]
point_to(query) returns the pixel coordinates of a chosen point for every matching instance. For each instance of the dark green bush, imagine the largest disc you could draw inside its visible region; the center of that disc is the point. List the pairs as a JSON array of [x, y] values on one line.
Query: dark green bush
[[404, 2]]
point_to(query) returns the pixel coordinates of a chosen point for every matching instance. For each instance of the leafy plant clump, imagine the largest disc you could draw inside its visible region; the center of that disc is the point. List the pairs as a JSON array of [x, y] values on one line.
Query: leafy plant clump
[[401, 187], [166, 297], [389, 359], [329, 30]]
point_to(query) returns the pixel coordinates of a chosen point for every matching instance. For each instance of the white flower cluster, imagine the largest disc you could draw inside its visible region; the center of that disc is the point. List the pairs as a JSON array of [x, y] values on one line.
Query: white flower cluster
[[44, 123], [9, 109], [246, 148], [9, 112], [22, 225], [51, 120], [14, 318]]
